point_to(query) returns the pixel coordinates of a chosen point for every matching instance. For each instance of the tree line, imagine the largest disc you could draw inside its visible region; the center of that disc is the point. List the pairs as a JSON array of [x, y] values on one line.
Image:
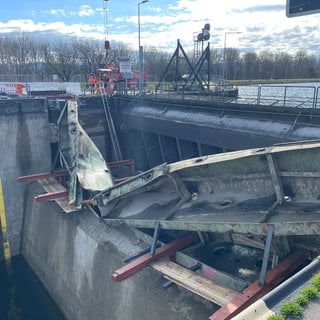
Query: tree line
[[28, 58]]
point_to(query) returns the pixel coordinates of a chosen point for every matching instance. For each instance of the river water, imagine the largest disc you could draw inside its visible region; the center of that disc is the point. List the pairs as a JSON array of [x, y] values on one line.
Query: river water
[[297, 95], [22, 296]]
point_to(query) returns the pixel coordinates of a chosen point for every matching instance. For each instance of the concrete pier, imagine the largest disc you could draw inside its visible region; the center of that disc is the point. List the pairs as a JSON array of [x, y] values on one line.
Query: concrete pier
[[75, 255]]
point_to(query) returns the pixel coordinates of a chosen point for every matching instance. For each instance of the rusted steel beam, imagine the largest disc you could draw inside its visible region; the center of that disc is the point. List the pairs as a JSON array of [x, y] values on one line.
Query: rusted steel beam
[[121, 162], [121, 180], [136, 182], [255, 291], [273, 167], [281, 228], [35, 177], [128, 162], [139, 263], [51, 195]]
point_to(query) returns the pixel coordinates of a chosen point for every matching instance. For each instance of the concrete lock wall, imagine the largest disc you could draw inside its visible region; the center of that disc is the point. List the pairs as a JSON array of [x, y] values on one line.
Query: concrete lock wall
[[75, 255], [24, 150]]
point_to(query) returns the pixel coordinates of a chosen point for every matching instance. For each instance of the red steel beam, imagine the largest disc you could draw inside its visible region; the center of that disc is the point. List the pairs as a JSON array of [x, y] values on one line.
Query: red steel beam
[[139, 263], [51, 195], [121, 179], [39, 176], [128, 162], [255, 291]]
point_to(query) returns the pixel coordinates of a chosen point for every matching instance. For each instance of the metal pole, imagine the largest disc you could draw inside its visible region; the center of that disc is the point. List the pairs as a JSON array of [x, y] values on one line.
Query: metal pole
[[141, 73], [224, 57], [139, 22]]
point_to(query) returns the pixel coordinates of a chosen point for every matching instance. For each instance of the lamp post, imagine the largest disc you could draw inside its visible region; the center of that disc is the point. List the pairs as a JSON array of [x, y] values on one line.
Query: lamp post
[[141, 73], [224, 70]]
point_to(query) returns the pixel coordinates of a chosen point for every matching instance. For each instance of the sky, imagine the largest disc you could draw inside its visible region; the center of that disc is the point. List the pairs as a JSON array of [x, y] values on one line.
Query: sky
[[247, 25]]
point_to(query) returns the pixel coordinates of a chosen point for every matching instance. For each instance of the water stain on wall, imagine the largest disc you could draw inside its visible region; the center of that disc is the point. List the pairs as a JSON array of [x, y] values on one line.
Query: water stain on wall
[[23, 144]]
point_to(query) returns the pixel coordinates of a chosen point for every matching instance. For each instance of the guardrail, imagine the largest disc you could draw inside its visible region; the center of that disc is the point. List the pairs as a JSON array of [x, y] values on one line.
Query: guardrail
[[299, 96], [284, 96]]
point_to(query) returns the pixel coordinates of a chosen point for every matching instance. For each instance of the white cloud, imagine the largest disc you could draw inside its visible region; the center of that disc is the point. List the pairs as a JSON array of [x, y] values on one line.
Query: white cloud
[[86, 10], [56, 12], [263, 24], [59, 27]]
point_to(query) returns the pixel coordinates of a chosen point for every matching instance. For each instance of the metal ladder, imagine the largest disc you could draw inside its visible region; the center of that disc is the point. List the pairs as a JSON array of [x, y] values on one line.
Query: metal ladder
[[112, 130]]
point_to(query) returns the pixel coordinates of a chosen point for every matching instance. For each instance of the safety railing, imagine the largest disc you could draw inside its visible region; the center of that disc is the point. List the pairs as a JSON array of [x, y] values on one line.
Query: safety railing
[[293, 96], [285, 96]]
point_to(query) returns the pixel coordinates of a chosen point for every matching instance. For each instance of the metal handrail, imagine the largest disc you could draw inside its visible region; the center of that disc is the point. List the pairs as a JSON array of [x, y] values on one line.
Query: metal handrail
[[306, 96]]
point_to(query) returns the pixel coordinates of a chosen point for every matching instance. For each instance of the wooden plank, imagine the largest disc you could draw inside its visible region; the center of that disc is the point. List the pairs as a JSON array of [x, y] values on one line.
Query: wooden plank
[[51, 185], [39, 176], [219, 277], [194, 282], [141, 262], [187, 261], [255, 291]]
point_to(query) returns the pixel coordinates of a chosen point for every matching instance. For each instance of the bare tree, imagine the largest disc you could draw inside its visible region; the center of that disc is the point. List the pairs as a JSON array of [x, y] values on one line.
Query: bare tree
[[62, 59], [266, 70], [251, 61], [304, 65], [26, 58], [120, 51], [16, 54], [38, 66], [155, 62], [232, 60], [90, 54], [216, 59]]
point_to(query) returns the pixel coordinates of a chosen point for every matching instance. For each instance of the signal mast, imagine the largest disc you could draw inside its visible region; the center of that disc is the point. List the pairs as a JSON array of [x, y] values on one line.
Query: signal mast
[[106, 31]]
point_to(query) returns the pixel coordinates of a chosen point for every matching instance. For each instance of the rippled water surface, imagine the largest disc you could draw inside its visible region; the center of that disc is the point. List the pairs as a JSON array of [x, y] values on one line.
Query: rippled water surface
[[297, 95]]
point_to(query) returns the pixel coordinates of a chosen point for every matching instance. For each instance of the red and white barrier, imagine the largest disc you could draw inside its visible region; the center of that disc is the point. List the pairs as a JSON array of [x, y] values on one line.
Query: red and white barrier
[[20, 88], [13, 88]]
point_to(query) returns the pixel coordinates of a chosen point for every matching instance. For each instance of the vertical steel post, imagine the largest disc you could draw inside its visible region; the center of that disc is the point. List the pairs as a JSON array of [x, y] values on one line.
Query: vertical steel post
[[266, 254], [141, 73]]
